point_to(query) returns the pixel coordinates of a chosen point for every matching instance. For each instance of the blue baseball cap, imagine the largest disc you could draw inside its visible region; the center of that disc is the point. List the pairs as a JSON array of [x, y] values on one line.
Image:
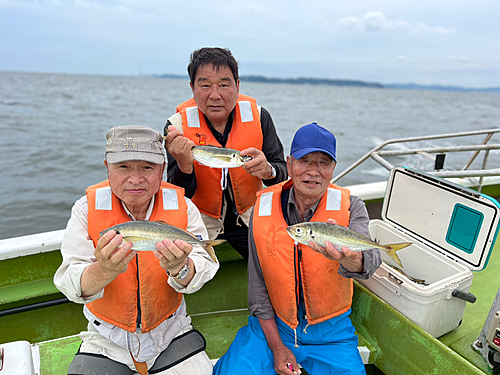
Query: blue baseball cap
[[311, 138]]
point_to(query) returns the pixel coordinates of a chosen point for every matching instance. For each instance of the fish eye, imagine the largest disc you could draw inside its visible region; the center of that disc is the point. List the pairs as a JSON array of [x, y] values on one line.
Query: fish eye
[[298, 230]]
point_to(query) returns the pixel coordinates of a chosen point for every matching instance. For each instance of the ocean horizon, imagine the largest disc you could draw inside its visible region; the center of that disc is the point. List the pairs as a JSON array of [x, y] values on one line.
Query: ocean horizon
[[306, 80]]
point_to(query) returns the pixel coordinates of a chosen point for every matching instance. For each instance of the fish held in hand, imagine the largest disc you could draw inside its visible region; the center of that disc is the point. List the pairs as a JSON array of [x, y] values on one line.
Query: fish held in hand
[[144, 235], [219, 157], [340, 236]]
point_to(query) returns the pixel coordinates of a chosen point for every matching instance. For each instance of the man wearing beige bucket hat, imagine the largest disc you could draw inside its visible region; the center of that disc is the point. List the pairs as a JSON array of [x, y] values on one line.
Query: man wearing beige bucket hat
[[134, 300]]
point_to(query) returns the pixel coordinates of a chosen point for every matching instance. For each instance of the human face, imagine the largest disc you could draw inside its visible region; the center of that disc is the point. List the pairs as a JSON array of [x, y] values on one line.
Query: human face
[[311, 175], [215, 92], [135, 183]]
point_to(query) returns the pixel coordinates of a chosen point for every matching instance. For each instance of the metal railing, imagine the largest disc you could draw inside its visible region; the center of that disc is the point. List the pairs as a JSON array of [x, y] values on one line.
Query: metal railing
[[378, 155]]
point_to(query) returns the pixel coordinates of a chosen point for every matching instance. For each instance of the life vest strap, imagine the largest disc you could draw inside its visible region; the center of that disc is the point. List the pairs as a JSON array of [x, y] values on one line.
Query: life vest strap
[[180, 348], [93, 364]]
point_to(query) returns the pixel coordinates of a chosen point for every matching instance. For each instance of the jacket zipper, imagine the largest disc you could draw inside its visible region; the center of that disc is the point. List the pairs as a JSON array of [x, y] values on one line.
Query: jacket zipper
[[298, 279], [139, 313]]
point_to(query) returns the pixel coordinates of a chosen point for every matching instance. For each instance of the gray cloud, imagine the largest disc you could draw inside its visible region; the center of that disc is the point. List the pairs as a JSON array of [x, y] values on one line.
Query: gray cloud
[[375, 21]]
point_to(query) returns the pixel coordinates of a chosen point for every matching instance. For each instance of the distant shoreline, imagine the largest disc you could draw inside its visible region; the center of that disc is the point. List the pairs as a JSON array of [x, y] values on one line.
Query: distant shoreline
[[311, 81], [318, 81], [347, 83]]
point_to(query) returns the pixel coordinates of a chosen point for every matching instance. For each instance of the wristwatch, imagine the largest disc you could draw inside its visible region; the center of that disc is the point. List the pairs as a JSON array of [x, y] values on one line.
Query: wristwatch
[[273, 172], [183, 272]]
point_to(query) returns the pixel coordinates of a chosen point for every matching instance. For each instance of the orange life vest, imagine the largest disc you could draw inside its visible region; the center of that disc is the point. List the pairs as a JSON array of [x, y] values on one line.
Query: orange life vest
[[157, 300], [246, 132], [326, 293]]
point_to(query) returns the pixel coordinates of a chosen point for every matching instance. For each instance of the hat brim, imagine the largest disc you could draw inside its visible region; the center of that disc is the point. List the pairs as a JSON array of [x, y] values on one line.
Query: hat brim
[[304, 151], [120, 157]]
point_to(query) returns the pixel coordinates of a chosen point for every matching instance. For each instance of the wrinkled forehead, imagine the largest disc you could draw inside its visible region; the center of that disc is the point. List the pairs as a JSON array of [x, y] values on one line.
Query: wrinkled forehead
[[215, 67], [317, 155], [134, 164]]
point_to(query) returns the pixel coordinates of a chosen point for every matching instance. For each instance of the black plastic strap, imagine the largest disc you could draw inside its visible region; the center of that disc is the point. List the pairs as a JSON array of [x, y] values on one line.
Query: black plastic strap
[[96, 364], [181, 348]]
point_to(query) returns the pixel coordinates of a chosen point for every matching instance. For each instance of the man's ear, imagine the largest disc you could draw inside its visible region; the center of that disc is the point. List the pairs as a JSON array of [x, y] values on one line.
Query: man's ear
[[289, 165]]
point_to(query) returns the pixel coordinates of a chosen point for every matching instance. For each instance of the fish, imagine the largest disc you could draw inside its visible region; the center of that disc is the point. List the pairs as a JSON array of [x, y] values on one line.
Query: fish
[[144, 235], [340, 236], [415, 280], [218, 157]]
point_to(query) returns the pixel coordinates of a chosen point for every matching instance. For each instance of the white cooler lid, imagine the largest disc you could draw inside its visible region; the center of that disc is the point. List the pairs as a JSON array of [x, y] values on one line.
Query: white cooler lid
[[449, 218]]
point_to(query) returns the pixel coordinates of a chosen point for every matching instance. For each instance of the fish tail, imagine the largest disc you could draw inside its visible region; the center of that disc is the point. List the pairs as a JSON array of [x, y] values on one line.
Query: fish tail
[[209, 247], [391, 251]]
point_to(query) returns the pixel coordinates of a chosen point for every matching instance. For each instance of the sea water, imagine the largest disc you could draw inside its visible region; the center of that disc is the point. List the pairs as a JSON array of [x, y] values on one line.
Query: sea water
[[53, 126]]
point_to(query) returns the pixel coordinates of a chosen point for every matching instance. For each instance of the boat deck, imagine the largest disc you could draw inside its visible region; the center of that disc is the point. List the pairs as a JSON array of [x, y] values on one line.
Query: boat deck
[[220, 309], [381, 329], [218, 327]]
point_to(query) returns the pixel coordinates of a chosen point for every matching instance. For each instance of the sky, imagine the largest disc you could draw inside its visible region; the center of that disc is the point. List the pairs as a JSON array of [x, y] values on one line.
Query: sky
[[445, 42]]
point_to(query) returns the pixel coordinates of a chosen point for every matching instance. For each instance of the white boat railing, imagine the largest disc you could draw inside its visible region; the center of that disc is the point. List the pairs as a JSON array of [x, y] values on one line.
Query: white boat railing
[[378, 155], [31, 244]]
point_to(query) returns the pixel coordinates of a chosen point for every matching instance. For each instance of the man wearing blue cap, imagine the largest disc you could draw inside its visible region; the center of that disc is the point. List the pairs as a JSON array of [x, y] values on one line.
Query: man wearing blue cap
[[300, 297]]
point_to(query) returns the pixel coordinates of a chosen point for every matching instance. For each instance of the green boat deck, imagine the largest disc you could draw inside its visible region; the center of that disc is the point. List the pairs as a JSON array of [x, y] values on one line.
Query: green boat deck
[[219, 310], [389, 336], [397, 346]]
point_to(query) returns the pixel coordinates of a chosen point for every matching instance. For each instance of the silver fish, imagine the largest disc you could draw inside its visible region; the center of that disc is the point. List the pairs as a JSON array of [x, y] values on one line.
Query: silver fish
[[219, 157], [144, 235], [340, 236], [415, 280]]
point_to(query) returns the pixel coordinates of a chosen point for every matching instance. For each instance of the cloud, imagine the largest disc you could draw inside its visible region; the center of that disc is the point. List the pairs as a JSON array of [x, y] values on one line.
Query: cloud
[[256, 9], [371, 21], [420, 28], [458, 58], [377, 22]]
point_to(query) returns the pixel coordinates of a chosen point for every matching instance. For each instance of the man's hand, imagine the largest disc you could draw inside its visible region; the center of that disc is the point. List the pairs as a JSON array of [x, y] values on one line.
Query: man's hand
[[112, 259], [285, 362], [283, 357], [173, 256], [351, 260], [258, 166], [180, 148]]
